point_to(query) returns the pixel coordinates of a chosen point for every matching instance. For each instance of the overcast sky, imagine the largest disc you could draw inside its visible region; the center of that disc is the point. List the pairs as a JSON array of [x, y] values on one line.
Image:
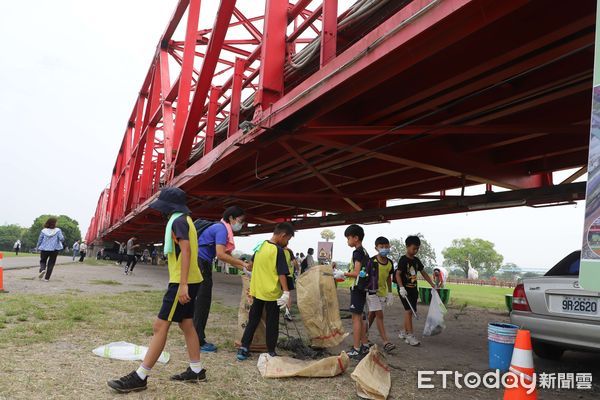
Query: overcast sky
[[69, 74]]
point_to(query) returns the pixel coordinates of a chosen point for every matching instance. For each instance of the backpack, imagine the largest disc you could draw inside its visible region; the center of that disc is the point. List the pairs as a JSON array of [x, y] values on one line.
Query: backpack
[[304, 265], [201, 225], [370, 281]]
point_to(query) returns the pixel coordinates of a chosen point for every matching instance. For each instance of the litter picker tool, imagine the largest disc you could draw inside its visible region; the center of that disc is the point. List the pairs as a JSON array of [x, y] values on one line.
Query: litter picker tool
[[412, 309]]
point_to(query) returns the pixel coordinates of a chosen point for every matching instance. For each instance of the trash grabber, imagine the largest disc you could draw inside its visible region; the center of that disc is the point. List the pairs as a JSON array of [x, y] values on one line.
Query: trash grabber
[[295, 326], [412, 309]]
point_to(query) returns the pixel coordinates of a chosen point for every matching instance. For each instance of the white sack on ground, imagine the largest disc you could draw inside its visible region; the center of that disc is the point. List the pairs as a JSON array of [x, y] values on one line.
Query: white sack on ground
[[372, 376], [286, 367], [127, 351]]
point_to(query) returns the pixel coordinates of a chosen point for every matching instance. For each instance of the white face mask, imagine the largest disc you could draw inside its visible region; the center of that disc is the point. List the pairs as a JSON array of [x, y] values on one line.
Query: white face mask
[[237, 226]]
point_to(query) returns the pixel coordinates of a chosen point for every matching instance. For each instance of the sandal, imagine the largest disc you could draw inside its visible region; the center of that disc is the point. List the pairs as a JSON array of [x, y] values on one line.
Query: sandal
[[388, 347]]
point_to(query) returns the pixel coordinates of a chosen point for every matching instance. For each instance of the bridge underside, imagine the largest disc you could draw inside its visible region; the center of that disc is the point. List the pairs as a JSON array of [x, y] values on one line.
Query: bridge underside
[[463, 93]]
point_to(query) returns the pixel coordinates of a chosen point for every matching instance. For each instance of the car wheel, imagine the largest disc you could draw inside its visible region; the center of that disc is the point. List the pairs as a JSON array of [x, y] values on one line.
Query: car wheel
[[547, 350]]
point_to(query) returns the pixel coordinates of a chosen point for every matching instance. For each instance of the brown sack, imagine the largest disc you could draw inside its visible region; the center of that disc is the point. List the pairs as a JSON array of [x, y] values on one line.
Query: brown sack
[[259, 343], [319, 307], [372, 376], [286, 367]]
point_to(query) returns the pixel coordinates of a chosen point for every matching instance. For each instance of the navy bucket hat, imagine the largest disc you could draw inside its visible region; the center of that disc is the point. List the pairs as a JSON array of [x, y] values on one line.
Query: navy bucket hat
[[170, 200]]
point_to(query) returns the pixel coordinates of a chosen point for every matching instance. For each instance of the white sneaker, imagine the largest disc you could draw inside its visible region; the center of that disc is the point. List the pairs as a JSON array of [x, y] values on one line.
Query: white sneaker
[[41, 274], [402, 335], [412, 340], [45, 280]]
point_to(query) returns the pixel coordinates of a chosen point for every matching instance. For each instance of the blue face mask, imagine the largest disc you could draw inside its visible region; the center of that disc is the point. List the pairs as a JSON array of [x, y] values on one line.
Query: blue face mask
[[384, 252]]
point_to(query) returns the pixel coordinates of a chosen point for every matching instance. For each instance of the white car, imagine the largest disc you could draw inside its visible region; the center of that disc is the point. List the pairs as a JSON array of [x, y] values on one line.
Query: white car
[[558, 312]]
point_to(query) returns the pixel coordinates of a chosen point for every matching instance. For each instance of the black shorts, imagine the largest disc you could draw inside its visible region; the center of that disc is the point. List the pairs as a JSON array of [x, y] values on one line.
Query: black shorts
[[172, 310], [412, 295], [358, 298]]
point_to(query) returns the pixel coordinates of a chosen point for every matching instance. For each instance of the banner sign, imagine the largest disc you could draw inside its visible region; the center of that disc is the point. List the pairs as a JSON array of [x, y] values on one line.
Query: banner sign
[[589, 270], [324, 252]]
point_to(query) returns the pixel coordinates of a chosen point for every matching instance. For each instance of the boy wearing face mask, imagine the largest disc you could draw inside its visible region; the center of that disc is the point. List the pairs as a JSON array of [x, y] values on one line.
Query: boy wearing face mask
[[384, 295], [268, 288]]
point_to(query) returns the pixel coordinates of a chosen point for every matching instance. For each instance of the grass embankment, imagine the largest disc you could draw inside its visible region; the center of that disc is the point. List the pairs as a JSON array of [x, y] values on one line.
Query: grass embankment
[[487, 297], [11, 254], [46, 344]]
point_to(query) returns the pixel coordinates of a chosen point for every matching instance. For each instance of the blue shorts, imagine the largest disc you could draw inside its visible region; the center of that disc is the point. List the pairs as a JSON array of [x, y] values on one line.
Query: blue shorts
[[172, 310]]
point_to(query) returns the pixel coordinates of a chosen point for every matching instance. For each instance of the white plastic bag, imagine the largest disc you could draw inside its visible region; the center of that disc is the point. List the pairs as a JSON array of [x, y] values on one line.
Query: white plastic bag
[[127, 351], [472, 273], [434, 324]]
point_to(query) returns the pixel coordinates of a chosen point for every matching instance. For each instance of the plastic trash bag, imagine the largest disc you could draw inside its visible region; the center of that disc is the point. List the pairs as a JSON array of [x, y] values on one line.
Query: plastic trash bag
[[372, 376], [319, 307], [472, 272], [286, 367], [434, 325], [127, 351]]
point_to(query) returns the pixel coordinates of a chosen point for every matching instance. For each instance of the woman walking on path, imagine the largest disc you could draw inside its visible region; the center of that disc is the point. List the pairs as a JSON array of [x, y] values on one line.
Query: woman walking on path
[[49, 244]]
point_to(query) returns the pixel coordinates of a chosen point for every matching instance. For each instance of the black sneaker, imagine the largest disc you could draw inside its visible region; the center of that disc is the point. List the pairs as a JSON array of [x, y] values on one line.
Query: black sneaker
[[242, 354], [354, 354], [273, 354], [190, 376], [129, 383]]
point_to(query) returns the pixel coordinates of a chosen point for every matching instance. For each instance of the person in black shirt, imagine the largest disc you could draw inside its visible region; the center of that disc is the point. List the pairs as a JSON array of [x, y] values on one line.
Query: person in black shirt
[[358, 296], [406, 278]]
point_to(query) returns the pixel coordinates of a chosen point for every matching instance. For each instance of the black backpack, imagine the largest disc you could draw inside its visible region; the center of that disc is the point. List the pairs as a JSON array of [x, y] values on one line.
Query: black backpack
[[201, 225], [303, 265]]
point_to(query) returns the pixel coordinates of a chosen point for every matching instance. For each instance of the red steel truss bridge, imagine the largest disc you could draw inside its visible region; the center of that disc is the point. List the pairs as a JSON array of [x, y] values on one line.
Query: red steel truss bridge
[[321, 112]]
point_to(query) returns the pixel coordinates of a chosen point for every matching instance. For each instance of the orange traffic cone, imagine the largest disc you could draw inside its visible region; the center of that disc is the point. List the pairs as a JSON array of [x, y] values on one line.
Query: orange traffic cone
[[521, 365]]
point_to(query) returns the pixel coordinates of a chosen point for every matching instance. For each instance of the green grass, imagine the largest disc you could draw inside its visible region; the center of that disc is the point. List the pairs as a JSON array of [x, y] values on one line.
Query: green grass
[[487, 297], [11, 254], [105, 282], [27, 320]]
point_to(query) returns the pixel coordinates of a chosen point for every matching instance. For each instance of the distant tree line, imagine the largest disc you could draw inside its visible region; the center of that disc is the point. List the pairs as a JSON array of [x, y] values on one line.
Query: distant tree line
[[9, 234]]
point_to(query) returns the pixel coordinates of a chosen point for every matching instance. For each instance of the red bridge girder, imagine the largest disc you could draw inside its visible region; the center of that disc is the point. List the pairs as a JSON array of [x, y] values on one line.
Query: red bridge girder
[[311, 108]]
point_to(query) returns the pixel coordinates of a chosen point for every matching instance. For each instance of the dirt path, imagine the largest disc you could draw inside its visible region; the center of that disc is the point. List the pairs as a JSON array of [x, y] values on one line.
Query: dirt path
[[462, 347], [30, 261]]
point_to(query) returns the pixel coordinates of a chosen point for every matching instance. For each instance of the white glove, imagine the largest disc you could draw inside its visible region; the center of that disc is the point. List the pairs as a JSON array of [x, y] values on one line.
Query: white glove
[[403, 291], [248, 273], [389, 299], [338, 274], [283, 300]]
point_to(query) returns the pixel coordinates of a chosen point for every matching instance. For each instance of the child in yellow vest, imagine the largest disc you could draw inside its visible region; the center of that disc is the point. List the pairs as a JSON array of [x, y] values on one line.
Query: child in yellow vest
[[384, 296], [181, 247], [268, 288]]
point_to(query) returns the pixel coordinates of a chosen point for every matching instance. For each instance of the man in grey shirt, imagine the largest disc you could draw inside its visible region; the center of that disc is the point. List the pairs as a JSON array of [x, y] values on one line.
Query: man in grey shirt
[[131, 259], [310, 261]]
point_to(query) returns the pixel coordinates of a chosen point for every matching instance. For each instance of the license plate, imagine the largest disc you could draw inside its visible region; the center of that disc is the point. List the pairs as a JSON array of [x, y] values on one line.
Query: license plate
[[578, 305]]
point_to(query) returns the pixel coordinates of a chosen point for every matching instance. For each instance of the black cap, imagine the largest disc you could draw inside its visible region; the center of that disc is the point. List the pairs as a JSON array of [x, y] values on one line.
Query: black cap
[[170, 200]]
